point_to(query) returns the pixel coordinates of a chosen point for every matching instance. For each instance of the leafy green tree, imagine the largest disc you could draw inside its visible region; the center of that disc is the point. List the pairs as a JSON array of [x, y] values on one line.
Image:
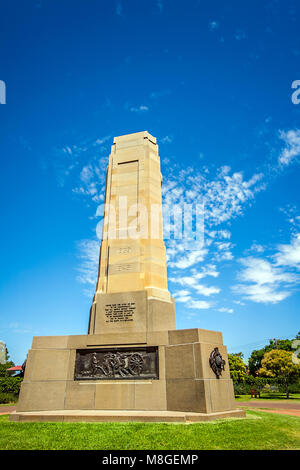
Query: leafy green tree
[[6, 365], [278, 363], [237, 367], [257, 355]]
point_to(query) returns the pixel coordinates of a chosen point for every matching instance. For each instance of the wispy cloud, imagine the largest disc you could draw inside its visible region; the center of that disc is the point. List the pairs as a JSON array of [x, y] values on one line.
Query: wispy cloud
[[186, 259], [119, 8], [225, 310], [263, 281], [291, 150], [255, 248], [168, 139], [187, 298], [289, 254], [160, 6], [226, 194], [88, 252], [190, 281], [70, 160], [213, 25], [139, 109], [159, 94], [19, 328], [240, 35]]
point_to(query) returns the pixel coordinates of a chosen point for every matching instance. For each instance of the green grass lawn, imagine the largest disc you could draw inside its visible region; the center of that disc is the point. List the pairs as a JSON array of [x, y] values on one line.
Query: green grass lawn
[[294, 397], [258, 431]]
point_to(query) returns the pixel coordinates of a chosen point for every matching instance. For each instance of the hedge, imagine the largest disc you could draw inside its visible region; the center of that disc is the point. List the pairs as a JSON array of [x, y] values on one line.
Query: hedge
[[10, 385], [260, 383], [8, 398]]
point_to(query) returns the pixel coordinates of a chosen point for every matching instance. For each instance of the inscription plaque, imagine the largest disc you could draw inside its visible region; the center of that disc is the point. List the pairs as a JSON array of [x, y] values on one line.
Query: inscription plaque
[[123, 312], [117, 363]]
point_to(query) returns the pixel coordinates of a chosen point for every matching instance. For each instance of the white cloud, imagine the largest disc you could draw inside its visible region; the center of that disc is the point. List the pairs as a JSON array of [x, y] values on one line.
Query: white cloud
[[167, 139], [205, 290], [188, 259], [223, 252], [86, 174], [256, 248], [220, 234], [291, 213], [213, 25], [19, 328], [292, 146], [289, 254], [264, 282], [263, 272], [199, 304], [184, 281], [88, 252], [182, 296], [140, 109], [209, 270], [238, 302], [191, 282], [186, 297], [262, 293], [225, 194], [79, 162], [223, 197], [225, 310]]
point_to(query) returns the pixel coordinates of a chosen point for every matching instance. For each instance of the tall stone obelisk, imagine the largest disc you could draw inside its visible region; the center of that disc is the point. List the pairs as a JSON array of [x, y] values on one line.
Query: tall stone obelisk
[[132, 291], [133, 365]]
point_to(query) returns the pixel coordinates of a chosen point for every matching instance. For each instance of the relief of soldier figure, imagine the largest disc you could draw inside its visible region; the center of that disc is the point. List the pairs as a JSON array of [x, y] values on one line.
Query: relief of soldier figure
[[113, 364]]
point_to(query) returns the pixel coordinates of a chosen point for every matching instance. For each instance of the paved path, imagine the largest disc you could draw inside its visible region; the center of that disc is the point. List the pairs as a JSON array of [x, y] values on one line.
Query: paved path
[[289, 405], [4, 410], [279, 407]]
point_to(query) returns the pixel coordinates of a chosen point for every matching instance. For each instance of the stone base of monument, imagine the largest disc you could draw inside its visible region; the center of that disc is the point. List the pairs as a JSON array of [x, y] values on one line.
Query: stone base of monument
[[105, 416], [176, 376]]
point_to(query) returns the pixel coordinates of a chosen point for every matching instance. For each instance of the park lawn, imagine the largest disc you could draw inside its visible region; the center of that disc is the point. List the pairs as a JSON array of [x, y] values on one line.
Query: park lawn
[[258, 431], [294, 397]]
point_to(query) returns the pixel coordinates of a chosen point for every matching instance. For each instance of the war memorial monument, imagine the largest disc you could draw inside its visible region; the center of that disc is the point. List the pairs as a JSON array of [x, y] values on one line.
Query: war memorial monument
[[133, 365]]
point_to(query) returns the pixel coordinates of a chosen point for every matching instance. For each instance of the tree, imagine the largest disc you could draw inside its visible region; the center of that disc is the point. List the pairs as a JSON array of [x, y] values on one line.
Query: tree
[[258, 354], [278, 363], [8, 363], [237, 367]]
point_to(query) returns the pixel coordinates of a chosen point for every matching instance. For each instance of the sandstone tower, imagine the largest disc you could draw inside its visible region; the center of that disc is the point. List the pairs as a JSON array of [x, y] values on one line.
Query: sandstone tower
[[132, 266], [133, 365]]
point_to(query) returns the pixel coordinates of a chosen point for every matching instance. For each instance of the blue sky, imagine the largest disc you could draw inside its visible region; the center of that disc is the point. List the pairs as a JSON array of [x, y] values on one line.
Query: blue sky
[[212, 80]]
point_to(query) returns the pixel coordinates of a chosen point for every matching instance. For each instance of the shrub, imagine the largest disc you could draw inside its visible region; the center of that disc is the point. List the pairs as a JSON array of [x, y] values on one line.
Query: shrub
[[295, 388], [242, 388], [258, 383], [8, 398], [10, 385]]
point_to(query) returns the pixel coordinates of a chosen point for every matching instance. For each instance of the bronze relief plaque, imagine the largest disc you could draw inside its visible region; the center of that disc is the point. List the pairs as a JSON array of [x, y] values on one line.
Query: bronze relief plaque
[[117, 363]]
